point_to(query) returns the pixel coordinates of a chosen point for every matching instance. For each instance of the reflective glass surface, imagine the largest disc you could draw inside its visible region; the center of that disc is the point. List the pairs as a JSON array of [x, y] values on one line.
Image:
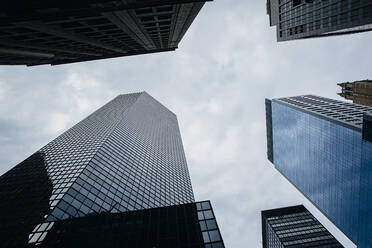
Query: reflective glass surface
[[365, 218], [294, 227], [128, 155], [305, 19], [175, 226], [323, 160]]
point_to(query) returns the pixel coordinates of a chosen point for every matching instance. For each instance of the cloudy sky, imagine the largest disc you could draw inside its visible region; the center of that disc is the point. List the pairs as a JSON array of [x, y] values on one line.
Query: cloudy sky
[[216, 83]]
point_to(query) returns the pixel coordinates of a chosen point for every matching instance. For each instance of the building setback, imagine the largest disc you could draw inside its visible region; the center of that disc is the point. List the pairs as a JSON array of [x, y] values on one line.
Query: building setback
[[294, 227], [60, 32], [299, 19], [190, 225], [126, 156], [359, 92], [324, 148]]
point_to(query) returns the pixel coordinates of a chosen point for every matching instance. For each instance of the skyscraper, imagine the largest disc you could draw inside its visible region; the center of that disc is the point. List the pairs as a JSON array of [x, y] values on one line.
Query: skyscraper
[[324, 148], [59, 32], [359, 92], [294, 227], [128, 155], [299, 19]]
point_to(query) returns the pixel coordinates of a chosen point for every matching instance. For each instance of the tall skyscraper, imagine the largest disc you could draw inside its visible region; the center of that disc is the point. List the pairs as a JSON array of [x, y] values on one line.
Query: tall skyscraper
[[324, 148], [359, 92], [299, 19], [59, 32], [294, 227], [128, 155]]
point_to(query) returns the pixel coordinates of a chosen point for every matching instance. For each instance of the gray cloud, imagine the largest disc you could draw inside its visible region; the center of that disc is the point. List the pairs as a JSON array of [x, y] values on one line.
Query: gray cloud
[[216, 82]]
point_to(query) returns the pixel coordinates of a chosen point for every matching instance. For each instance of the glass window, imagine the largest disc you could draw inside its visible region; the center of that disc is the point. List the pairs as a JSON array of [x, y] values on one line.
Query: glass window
[[206, 205], [211, 224], [198, 206], [208, 214], [200, 216], [206, 237], [203, 226], [215, 236], [217, 245]]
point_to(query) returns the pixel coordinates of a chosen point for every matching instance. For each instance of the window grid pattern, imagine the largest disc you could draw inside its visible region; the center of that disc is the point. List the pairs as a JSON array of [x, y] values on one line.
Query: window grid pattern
[[208, 225], [65, 34], [322, 159], [295, 227], [347, 113], [166, 227], [128, 155], [365, 215], [303, 18], [69, 154]]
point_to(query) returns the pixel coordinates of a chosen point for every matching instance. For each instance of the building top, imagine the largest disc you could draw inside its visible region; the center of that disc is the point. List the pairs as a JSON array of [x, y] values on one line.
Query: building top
[[294, 227], [344, 113]]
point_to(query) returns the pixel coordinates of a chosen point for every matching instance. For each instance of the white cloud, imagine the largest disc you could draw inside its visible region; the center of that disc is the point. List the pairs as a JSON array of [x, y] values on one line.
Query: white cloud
[[80, 81], [59, 122]]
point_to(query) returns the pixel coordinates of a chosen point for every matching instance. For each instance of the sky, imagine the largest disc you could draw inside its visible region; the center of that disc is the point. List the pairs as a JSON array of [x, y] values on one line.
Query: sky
[[216, 82]]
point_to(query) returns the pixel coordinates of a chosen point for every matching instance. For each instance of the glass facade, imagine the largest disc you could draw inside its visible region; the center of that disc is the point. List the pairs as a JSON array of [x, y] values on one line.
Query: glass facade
[[365, 216], [294, 227], [165, 227], [298, 19], [59, 32], [321, 152], [128, 155]]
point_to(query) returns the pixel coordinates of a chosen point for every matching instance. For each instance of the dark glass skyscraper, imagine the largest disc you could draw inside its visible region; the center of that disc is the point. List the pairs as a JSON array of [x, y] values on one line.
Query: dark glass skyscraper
[[299, 19], [294, 227], [59, 32], [190, 225], [324, 148], [128, 155]]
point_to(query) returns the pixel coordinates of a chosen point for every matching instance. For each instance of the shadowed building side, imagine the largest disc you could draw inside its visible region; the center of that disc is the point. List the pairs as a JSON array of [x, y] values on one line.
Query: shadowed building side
[[24, 192], [59, 32], [294, 227], [191, 225]]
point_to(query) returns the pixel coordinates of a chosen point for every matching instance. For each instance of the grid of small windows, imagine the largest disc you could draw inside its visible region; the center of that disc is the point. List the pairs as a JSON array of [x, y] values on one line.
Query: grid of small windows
[[166, 227], [300, 229], [157, 22], [68, 155], [62, 33], [208, 225], [134, 163], [349, 113], [303, 18]]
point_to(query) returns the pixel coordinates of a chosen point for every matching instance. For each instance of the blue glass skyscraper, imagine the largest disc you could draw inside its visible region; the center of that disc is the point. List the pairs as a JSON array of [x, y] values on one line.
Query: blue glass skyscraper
[[324, 148]]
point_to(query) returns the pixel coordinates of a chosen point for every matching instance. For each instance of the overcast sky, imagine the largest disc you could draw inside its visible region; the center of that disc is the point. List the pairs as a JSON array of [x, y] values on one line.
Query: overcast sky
[[216, 83]]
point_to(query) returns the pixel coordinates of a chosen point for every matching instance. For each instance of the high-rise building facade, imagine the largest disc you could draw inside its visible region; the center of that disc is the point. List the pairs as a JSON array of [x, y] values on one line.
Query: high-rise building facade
[[294, 227], [324, 148], [191, 225], [359, 92], [126, 156], [59, 32], [299, 19]]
